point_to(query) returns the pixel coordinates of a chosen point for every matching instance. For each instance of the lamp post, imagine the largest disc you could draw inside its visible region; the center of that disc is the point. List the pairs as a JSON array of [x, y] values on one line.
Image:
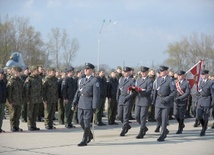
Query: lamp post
[[103, 26]]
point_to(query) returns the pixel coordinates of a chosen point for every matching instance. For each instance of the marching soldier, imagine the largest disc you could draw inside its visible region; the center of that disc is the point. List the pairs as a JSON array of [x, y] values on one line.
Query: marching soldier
[[125, 93], [151, 113], [15, 98], [68, 89], [144, 87], [89, 94], [33, 94], [205, 100], [165, 91], [50, 97], [183, 92]]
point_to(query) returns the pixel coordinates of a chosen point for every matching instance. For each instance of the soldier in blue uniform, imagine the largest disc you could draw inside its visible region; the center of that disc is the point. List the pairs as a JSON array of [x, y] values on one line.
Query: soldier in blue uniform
[[124, 95], [144, 87], [205, 100], [68, 90], [88, 102], [164, 92], [183, 92]]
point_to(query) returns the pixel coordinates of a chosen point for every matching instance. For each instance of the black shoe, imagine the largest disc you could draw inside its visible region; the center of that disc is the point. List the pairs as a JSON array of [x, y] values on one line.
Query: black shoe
[[53, 127], [31, 129], [127, 128], [179, 131], [48, 127], [14, 130], [35, 128], [82, 143], [1, 131], [122, 134], [19, 129], [161, 139], [157, 129], [142, 133], [101, 124], [202, 133]]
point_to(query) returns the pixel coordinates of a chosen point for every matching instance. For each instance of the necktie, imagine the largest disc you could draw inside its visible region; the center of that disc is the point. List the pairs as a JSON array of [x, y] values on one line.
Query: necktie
[[125, 80]]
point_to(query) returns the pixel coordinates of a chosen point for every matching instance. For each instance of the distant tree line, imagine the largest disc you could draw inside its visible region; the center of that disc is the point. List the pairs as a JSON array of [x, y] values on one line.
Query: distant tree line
[[189, 50], [17, 35]]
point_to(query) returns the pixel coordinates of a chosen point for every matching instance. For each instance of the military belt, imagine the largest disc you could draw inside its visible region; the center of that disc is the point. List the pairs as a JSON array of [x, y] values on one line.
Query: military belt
[[205, 95]]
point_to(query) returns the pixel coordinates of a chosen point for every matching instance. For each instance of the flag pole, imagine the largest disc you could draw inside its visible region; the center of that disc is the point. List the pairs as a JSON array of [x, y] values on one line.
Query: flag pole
[[195, 65]]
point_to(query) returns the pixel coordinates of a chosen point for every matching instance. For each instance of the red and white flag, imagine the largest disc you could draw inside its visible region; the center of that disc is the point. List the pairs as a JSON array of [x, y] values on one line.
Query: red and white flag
[[193, 76]]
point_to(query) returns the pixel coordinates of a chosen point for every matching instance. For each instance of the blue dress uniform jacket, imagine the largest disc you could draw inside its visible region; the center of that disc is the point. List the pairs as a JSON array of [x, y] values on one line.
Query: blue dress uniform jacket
[[166, 92], [144, 97], [185, 87], [68, 88], [89, 93], [123, 96], [206, 94]]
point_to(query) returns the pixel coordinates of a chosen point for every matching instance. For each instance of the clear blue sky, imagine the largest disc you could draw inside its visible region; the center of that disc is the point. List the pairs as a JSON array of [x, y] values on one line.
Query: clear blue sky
[[143, 31]]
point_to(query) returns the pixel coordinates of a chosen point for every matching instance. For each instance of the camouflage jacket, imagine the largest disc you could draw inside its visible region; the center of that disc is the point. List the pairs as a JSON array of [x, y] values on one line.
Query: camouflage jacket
[[50, 89], [15, 90], [33, 89]]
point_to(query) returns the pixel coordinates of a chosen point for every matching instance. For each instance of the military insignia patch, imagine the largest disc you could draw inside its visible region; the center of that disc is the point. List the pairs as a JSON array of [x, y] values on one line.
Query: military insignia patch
[[173, 83], [151, 84], [213, 86], [97, 84]]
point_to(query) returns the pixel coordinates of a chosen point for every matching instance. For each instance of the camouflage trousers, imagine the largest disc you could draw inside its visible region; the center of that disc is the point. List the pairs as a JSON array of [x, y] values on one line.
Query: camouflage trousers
[[15, 113], [49, 109], [32, 113]]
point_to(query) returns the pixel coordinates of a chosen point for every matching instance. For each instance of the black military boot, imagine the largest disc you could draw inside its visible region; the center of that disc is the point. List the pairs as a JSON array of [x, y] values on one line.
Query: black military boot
[[122, 132], [157, 128], [204, 127], [90, 137], [180, 126], [142, 132], [85, 137], [197, 123], [163, 135]]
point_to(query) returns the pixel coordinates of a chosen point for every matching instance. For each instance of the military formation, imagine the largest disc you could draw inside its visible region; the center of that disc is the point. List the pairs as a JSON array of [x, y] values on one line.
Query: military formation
[[34, 94]]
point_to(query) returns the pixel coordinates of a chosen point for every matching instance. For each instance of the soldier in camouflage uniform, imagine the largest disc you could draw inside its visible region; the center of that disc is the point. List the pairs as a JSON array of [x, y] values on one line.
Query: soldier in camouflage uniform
[[15, 98], [41, 105], [50, 97], [24, 104], [33, 94]]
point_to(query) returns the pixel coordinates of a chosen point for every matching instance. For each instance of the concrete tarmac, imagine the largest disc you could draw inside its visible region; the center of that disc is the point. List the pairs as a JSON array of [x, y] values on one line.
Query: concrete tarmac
[[62, 141]]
